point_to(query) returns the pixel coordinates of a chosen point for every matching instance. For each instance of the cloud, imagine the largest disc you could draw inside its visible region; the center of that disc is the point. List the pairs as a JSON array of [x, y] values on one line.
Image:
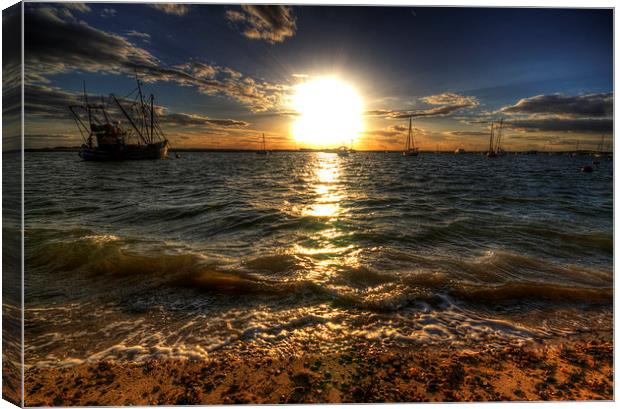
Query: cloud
[[450, 103], [598, 105], [585, 125], [80, 7], [450, 98], [466, 133], [378, 112], [171, 8], [53, 49], [45, 102], [142, 36], [183, 119], [106, 13], [261, 22], [588, 113], [394, 133]]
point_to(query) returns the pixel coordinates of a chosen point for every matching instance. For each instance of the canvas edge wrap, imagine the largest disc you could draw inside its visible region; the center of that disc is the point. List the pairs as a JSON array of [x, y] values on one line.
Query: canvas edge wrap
[[12, 204]]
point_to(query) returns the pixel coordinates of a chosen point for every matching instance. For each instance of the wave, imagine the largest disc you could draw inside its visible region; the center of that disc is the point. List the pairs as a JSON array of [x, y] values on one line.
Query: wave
[[494, 278]]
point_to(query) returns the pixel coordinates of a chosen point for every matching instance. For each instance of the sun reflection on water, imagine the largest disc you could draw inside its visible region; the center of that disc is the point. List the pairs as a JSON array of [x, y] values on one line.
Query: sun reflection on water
[[326, 188], [328, 249]]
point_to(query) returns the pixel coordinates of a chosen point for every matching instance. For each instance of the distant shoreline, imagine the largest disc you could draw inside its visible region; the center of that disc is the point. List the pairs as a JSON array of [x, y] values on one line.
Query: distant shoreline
[[303, 150]]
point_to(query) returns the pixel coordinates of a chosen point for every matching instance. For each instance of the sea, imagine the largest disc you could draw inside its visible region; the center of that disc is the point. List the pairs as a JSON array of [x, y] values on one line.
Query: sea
[[223, 251]]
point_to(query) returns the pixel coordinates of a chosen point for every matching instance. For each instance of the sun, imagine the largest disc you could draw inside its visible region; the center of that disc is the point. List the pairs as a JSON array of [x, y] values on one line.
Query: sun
[[330, 113]]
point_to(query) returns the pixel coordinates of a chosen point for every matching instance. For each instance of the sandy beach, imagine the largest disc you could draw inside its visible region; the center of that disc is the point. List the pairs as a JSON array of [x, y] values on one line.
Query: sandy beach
[[570, 369]]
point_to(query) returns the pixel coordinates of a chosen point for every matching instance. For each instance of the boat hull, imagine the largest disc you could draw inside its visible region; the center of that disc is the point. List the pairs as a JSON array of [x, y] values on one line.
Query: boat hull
[[152, 151]]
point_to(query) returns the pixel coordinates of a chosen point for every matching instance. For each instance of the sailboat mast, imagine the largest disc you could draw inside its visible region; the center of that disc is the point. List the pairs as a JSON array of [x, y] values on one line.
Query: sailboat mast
[[499, 135], [409, 135], [411, 131], [152, 113], [264, 144], [491, 138]]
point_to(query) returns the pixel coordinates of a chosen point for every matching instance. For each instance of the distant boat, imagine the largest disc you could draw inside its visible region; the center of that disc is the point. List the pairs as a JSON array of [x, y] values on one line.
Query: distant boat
[[410, 149], [105, 140], [343, 151], [459, 151], [263, 151], [600, 149]]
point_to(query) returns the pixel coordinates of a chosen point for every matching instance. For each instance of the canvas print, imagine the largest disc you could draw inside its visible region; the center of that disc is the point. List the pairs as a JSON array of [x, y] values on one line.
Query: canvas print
[[307, 204]]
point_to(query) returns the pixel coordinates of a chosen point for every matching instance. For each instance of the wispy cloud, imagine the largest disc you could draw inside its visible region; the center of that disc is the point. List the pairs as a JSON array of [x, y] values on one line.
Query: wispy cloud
[[142, 36], [466, 133], [452, 99], [80, 7], [261, 22], [195, 120], [107, 13], [171, 8]]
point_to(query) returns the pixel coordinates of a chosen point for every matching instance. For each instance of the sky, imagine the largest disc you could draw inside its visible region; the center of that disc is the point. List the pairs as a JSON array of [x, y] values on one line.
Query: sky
[[223, 75]]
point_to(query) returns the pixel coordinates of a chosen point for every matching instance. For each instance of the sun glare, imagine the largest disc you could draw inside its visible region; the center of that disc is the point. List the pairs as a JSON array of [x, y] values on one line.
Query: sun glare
[[330, 113]]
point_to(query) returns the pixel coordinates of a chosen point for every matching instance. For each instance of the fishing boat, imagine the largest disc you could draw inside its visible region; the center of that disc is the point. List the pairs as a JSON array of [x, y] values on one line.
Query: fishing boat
[[410, 149], [459, 151], [263, 151], [107, 140]]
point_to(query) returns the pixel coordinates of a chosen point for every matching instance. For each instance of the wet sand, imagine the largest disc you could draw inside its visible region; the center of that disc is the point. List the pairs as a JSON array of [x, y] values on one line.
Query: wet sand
[[566, 369]]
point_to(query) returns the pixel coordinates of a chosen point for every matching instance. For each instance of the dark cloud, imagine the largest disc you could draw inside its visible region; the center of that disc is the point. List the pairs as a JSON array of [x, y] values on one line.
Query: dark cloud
[[430, 112], [49, 102], [449, 104], [41, 101], [171, 8], [53, 49], [589, 106], [261, 22], [585, 125]]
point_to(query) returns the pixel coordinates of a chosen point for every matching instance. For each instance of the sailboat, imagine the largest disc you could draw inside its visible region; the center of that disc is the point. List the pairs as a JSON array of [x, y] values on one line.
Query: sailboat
[[495, 140], [343, 151], [106, 140], [600, 147], [491, 152], [263, 151], [410, 149]]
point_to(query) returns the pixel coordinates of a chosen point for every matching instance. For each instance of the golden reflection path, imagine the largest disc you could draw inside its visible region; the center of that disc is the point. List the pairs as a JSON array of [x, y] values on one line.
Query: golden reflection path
[[328, 248]]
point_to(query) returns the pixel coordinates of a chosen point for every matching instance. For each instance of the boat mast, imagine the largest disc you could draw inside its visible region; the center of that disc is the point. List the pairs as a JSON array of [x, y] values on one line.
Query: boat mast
[[499, 135], [129, 119], [411, 130], [90, 118], [408, 145], [491, 138], [264, 144], [142, 104], [152, 113]]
